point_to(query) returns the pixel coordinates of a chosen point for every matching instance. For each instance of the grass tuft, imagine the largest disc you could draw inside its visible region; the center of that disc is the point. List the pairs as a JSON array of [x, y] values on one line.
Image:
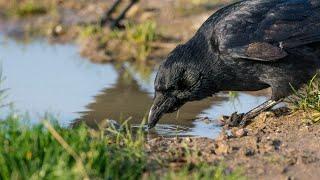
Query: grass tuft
[[23, 8], [30, 8], [137, 39], [90, 31], [134, 42], [308, 99], [141, 36], [51, 151]]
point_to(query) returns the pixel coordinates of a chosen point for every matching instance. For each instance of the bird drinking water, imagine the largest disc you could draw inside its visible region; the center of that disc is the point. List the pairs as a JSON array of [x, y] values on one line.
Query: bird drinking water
[[247, 46]]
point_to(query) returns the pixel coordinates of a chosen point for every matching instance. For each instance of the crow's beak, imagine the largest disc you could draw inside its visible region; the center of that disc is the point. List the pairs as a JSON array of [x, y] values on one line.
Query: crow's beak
[[161, 105]]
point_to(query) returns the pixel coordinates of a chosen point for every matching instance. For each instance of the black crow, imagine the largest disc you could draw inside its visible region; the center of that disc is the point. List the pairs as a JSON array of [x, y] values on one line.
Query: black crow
[[247, 46]]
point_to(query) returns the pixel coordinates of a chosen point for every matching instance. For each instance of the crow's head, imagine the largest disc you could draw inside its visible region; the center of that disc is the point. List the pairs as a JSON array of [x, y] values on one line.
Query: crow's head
[[179, 79]]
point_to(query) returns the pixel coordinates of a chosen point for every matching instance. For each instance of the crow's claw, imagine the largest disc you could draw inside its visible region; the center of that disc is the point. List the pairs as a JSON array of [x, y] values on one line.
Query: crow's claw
[[234, 120]]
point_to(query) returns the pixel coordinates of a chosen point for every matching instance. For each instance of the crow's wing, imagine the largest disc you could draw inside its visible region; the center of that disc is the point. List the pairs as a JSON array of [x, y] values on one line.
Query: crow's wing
[[263, 30]]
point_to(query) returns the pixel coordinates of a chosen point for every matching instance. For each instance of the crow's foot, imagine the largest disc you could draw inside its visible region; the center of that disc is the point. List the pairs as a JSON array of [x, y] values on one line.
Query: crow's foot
[[233, 120]]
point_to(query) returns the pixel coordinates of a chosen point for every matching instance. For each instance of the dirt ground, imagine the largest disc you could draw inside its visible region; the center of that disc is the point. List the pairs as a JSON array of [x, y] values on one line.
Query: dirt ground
[[276, 145]]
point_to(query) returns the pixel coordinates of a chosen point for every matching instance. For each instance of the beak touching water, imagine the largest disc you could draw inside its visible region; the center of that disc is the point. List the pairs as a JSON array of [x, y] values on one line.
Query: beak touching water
[[161, 105]]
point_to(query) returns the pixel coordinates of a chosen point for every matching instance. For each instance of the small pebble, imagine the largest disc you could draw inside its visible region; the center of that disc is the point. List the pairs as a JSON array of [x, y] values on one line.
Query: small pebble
[[249, 152], [240, 132], [221, 148]]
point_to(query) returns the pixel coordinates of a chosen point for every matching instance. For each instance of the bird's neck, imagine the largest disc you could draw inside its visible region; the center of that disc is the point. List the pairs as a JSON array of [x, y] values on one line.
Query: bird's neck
[[206, 61]]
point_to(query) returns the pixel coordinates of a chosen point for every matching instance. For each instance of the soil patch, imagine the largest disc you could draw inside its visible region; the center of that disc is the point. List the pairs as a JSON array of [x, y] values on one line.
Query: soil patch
[[275, 146]]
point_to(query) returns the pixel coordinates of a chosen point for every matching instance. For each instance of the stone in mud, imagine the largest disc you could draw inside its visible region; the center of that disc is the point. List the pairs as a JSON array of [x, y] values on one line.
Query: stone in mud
[[276, 144], [239, 132], [57, 30], [249, 152], [221, 148]]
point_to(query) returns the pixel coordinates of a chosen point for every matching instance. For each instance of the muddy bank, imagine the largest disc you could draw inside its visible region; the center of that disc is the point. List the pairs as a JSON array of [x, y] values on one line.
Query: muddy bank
[[278, 145]]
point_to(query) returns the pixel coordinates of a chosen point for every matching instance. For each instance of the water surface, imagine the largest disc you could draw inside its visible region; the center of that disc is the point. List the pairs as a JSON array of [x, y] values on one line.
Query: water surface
[[50, 78]]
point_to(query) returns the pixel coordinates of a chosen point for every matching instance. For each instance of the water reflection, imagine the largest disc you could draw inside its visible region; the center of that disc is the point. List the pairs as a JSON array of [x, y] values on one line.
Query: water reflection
[[127, 99], [131, 97], [46, 78]]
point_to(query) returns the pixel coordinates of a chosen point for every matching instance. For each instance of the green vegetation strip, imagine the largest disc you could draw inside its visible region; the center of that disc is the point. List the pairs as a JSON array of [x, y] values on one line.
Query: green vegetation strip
[[23, 8], [49, 151], [135, 40]]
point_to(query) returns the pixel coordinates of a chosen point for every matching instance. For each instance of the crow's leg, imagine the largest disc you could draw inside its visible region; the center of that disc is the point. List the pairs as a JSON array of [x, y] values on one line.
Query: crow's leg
[[107, 15], [242, 119], [116, 22], [256, 111]]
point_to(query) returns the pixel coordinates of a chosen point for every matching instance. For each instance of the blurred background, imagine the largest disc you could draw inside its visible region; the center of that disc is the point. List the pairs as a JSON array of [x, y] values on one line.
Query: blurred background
[[92, 60]]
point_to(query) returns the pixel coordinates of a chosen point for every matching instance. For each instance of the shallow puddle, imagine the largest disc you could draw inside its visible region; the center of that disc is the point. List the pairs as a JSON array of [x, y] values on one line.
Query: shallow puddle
[[54, 79]]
